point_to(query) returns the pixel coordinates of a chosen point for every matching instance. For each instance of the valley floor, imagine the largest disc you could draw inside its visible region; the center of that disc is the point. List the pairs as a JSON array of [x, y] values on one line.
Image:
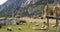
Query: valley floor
[[28, 26]]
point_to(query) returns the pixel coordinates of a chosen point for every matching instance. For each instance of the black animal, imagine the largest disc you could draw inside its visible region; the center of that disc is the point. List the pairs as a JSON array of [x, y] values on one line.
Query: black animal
[[22, 21], [0, 25]]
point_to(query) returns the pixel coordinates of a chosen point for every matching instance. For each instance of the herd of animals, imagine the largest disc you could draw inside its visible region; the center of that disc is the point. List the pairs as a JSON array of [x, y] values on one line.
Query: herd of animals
[[11, 22], [5, 22], [18, 22]]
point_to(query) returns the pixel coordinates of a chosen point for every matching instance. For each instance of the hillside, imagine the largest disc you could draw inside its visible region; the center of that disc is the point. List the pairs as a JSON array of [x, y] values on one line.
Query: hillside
[[36, 9], [10, 7], [24, 8]]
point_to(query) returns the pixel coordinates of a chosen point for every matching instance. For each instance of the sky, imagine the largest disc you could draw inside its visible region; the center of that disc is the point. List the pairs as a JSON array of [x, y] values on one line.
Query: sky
[[2, 1]]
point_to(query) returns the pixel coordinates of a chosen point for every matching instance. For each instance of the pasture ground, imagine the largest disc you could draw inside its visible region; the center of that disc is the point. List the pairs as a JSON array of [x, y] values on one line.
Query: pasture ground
[[28, 26]]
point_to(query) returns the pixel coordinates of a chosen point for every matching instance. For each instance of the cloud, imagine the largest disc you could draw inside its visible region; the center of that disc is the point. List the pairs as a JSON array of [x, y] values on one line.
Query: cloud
[[2, 1]]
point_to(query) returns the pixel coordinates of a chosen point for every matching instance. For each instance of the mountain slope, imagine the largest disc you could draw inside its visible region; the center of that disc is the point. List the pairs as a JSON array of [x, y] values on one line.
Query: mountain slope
[[24, 8], [36, 9], [10, 6]]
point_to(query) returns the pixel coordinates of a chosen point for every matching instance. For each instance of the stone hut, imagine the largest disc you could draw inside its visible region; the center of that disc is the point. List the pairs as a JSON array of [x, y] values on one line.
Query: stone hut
[[51, 11]]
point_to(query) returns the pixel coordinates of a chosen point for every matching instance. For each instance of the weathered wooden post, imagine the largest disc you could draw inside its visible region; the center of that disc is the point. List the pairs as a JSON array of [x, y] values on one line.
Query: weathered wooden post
[[57, 15], [57, 18], [47, 25], [47, 18]]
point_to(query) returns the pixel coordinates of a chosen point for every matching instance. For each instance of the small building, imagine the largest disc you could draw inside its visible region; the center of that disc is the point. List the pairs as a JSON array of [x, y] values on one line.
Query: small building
[[52, 10]]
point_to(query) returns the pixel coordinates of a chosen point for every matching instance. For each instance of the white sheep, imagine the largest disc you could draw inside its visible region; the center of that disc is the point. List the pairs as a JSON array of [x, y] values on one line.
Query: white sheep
[[19, 28], [9, 29]]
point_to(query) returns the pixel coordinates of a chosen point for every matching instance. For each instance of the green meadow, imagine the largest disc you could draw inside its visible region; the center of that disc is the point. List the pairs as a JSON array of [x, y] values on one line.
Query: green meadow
[[26, 28]]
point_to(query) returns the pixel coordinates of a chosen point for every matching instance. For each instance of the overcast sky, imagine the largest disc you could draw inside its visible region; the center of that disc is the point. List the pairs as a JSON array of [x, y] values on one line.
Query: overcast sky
[[2, 1]]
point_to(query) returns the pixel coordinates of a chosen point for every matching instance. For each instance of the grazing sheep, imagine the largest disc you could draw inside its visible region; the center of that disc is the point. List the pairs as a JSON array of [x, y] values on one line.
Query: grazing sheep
[[9, 29], [44, 26], [19, 28]]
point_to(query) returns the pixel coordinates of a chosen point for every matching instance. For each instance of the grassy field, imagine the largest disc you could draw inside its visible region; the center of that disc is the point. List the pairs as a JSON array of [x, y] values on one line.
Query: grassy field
[[28, 26]]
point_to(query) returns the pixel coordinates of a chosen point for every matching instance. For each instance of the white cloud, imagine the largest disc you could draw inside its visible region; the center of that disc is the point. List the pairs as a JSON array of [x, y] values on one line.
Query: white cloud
[[2, 1]]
